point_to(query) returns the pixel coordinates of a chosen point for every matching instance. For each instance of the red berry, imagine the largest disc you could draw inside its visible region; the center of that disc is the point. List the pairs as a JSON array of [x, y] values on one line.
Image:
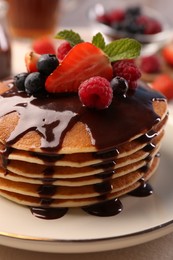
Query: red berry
[[117, 15], [84, 61], [103, 18], [31, 60], [96, 92], [150, 64], [151, 25], [128, 70], [63, 49], [164, 84], [167, 53], [43, 45]]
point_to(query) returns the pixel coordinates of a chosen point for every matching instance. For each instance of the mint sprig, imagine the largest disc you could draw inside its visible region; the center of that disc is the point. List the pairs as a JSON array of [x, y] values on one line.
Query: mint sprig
[[99, 41], [69, 35], [125, 48]]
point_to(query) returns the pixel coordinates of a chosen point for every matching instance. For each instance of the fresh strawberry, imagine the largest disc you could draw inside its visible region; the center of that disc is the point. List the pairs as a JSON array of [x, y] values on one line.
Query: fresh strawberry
[[31, 59], [63, 49], [82, 62], [164, 84], [43, 45], [167, 53]]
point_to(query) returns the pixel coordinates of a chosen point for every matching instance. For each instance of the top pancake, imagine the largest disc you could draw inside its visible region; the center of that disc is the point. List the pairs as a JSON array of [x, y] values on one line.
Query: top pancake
[[63, 125]]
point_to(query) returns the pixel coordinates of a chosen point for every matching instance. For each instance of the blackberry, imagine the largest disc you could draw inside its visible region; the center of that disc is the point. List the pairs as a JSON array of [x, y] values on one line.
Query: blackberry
[[133, 11], [47, 63], [119, 86], [34, 83], [19, 80]]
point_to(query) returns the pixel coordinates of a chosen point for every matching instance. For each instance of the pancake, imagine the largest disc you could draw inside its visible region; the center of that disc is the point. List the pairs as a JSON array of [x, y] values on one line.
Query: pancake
[[56, 153]]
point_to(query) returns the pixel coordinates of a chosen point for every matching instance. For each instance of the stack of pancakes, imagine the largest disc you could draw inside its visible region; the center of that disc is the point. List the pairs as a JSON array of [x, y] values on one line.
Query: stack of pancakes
[[78, 173]]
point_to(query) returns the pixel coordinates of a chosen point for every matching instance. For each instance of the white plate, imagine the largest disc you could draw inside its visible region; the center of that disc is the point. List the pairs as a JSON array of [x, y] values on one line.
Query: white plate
[[142, 219]]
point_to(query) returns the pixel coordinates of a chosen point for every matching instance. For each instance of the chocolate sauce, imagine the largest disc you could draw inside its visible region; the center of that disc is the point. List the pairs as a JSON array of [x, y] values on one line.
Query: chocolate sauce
[[52, 116], [149, 147], [106, 154], [143, 190], [148, 136], [47, 189], [105, 209], [103, 187], [48, 213]]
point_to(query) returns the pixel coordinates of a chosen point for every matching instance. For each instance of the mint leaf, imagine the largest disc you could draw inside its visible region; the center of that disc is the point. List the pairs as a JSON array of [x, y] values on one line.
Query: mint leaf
[[123, 49], [72, 37], [99, 41]]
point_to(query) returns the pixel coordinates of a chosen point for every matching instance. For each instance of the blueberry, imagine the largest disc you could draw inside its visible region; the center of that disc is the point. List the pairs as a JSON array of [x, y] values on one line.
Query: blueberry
[[119, 85], [47, 63], [133, 11], [19, 80], [34, 82]]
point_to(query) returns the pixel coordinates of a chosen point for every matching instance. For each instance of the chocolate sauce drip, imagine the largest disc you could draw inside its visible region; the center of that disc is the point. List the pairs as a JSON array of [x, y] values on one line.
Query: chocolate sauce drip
[[143, 190], [105, 209], [105, 175], [5, 154], [47, 190], [148, 158], [48, 171], [52, 116], [48, 157], [157, 154], [149, 147], [46, 201], [148, 136], [145, 168], [103, 187], [48, 180], [104, 165], [48, 213], [106, 154]]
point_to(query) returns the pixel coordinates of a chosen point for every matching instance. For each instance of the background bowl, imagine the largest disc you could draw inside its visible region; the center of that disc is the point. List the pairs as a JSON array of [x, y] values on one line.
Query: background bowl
[[112, 34]]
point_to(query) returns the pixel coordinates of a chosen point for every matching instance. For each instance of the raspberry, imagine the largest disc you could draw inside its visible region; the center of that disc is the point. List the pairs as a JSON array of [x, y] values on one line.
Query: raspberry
[[128, 70], [96, 92], [151, 26], [117, 15], [103, 19], [150, 64], [63, 49]]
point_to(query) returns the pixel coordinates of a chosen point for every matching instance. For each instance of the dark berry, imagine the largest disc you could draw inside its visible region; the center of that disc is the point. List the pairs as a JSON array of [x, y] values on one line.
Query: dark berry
[[133, 11], [47, 63], [96, 92], [119, 85], [19, 80], [34, 82]]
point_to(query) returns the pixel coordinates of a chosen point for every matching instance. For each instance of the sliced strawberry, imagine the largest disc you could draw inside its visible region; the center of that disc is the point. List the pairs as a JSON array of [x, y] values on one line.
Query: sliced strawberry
[[164, 84], [43, 45], [167, 53], [82, 62], [31, 59]]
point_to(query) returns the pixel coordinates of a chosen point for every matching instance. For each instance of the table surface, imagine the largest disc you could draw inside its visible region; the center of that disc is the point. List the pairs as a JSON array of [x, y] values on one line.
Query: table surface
[[158, 249]]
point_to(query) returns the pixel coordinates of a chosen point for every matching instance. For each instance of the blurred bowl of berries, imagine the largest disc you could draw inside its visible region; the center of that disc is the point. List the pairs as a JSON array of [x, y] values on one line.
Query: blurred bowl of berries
[[120, 21]]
